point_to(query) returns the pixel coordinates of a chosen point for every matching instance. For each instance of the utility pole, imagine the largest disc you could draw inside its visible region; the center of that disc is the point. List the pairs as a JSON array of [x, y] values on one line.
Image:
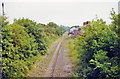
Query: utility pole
[[3, 8]]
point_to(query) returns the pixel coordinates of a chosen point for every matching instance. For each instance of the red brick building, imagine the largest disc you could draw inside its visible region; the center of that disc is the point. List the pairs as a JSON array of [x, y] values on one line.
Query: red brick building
[[86, 23]]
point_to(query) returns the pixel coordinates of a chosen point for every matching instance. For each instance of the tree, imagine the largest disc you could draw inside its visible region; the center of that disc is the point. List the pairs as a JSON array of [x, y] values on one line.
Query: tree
[[36, 30], [52, 24], [17, 46], [98, 49]]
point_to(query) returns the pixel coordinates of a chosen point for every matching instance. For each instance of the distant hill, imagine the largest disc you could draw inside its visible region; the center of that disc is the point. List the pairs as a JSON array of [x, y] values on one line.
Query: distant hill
[[65, 27]]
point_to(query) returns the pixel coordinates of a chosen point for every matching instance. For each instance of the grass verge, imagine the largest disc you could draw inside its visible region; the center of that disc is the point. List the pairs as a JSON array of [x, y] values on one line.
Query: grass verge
[[72, 55]]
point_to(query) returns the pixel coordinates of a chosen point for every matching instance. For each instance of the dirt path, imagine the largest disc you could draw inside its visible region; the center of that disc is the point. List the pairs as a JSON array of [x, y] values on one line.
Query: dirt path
[[56, 63]]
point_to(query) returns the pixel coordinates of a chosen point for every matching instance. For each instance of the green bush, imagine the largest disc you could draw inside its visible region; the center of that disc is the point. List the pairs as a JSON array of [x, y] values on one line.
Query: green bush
[[98, 49], [17, 46], [35, 30], [22, 43]]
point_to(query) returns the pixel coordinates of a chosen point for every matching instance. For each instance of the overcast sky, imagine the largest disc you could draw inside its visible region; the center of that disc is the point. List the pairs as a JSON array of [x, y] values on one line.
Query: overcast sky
[[62, 12]]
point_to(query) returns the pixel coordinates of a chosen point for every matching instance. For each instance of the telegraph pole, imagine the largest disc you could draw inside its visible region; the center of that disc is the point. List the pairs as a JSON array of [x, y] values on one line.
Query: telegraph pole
[[3, 8]]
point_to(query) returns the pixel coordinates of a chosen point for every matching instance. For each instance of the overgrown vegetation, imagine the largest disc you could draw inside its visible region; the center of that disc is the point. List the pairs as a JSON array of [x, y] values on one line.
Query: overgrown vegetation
[[22, 42], [98, 49]]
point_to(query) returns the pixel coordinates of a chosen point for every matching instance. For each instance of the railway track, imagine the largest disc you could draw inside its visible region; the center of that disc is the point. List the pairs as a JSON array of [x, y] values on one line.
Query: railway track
[[57, 51], [58, 62], [51, 69], [55, 62]]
